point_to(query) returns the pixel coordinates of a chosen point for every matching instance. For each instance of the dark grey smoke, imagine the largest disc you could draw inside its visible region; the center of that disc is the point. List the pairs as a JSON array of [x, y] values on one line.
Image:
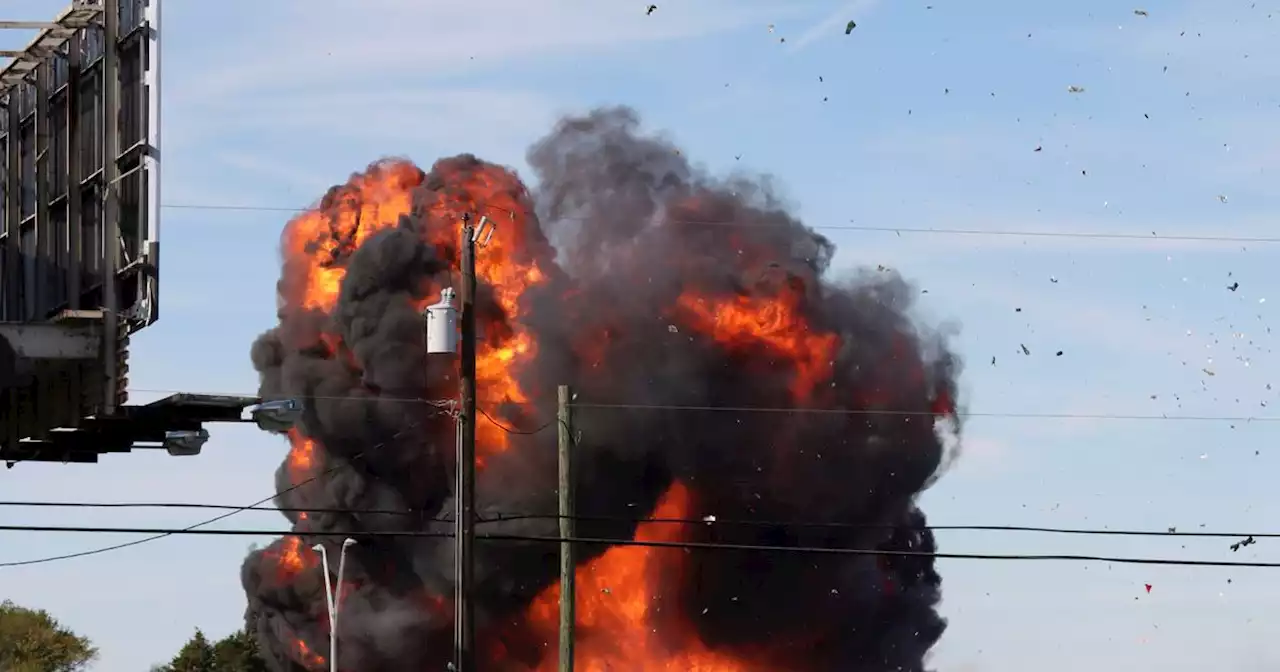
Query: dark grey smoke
[[627, 215]]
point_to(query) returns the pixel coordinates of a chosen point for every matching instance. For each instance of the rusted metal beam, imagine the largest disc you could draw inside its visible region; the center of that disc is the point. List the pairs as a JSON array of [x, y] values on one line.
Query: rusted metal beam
[[52, 35], [28, 25]]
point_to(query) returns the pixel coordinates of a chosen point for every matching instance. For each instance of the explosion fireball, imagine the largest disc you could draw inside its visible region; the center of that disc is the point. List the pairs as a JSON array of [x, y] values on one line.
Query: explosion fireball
[[641, 281]]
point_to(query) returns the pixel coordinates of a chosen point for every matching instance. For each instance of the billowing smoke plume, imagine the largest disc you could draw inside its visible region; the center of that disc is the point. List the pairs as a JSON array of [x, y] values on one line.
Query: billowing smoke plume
[[640, 281]]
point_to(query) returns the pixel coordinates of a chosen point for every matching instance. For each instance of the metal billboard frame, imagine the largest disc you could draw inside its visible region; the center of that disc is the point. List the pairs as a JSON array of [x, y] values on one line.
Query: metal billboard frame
[[79, 216], [53, 102]]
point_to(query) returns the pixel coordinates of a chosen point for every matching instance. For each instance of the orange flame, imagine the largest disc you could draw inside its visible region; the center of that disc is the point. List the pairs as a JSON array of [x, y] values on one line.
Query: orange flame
[[621, 623], [291, 558], [775, 323], [302, 457], [315, 241], [303, 654]]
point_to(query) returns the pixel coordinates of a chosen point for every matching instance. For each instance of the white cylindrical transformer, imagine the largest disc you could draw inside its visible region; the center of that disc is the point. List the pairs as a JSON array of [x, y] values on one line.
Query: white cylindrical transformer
[[442, 325]]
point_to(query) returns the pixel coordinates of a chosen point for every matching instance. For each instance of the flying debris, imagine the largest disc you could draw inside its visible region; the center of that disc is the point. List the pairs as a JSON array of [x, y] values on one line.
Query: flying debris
[[1249, 541], [1141, 12], [651, 10], [597, 279], [1075, 89], [848, 28]]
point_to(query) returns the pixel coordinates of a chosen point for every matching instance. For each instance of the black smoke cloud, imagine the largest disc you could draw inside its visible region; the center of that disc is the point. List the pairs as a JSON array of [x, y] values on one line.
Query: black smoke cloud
[[630, 226]]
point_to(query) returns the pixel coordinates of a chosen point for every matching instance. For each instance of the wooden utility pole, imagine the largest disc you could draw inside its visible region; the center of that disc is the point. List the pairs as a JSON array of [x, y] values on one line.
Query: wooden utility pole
[[568, 589], [465, 484]]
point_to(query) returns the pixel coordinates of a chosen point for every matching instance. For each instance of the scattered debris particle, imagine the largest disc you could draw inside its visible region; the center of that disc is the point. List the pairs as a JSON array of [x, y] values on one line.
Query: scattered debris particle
[[1075, 89], [673, 329], [1173, 530], [1025, 349], [1053, 279], [1039, 148], [652, 9], [708, 519], [1059, 354], [1233, 286], [993, 361], [1208, 372], [1222, 198], [1148, 587], [1141, 12], [1242, 543]]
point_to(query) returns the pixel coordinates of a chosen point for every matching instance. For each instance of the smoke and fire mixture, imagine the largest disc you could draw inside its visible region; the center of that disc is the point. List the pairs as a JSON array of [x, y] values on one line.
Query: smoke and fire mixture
[[639, 280]]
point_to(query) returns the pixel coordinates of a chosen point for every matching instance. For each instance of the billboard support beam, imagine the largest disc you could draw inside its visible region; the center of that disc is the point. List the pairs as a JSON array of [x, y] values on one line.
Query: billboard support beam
[[111, 204], [52, 35], [28, 25], [48, 340]]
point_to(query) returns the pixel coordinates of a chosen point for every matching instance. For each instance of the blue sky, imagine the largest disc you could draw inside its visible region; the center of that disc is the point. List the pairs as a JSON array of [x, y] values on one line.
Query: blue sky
[[932, 115]]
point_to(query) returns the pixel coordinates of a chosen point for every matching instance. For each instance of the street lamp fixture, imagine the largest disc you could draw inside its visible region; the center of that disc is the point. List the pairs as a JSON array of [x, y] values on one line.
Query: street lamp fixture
[[332, 600], [186, 442], [277, 415]]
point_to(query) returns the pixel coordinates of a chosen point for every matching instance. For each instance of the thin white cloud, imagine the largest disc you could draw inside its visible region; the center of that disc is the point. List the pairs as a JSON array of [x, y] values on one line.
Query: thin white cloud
[[333, 43], [407, 117], [832, 24], [275, 171]]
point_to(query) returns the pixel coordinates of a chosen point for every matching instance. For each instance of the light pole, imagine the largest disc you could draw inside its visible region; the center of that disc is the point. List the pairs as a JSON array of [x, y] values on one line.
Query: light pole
[[331, 600]]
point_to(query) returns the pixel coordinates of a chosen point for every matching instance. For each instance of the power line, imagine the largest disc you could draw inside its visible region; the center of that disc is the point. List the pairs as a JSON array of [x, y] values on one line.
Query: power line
[[510, 430], [969, 414], [195, 528], [717, 522], [794, 410], [690, 545], [1099, 235]]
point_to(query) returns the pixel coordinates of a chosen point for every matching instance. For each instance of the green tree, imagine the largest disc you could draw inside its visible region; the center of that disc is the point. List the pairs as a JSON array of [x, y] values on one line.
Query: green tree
[[194, 656], [238, 652], [33, 641]]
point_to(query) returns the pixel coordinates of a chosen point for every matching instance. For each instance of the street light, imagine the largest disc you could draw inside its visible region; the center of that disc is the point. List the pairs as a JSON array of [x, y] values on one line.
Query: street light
[[185, 442], [331, 600], [277, 415]]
